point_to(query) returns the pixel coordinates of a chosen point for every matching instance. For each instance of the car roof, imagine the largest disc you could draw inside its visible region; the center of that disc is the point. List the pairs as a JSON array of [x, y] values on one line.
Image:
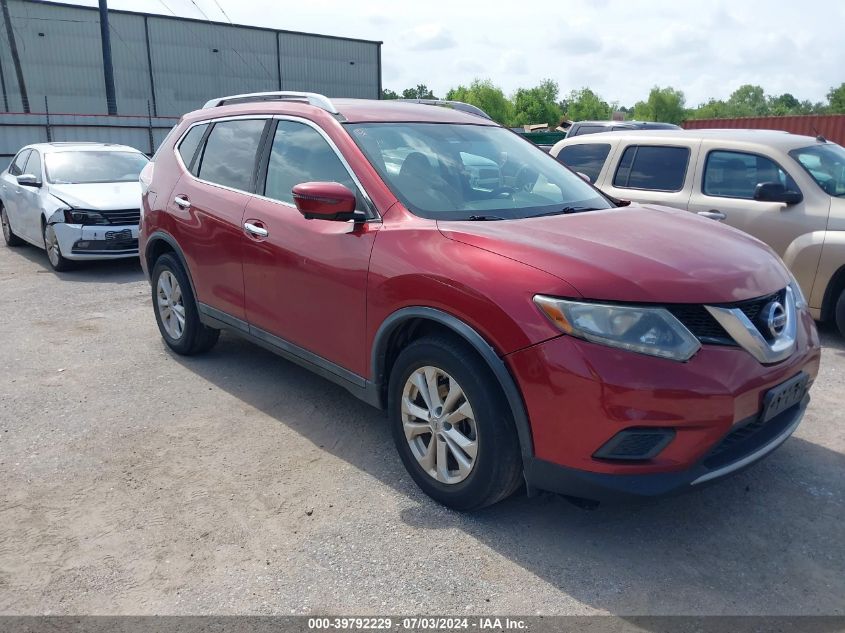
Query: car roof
[[81, 147], [771, 138], [350, 111], [632, 124]]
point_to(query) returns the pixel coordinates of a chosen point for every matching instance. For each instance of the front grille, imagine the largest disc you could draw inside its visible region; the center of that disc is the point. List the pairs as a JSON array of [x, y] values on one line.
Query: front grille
[[119, 217], [705, 328]]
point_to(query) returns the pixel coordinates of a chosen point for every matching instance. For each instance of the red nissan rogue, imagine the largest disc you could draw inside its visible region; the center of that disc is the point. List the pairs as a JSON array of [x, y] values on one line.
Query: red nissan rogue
[[518, 326]]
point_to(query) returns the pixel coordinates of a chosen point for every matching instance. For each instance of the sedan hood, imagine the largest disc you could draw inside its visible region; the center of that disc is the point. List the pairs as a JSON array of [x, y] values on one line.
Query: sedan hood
[[638, 254], [99, 196]]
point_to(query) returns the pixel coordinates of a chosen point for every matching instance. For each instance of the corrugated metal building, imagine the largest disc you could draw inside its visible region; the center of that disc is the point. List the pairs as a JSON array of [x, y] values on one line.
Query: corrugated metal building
[[163, 67], [831, 126]]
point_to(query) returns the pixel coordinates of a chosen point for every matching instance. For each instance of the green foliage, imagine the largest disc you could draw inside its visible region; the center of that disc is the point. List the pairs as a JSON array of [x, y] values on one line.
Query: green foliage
[[836, 99], [586, 105], [663, 104], [748, 100], [537, 105], [389, 94], [483, 94], [420, 92]]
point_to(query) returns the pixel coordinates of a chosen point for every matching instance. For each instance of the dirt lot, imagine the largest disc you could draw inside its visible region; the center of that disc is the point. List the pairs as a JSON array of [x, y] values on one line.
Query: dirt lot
[[133, 481]]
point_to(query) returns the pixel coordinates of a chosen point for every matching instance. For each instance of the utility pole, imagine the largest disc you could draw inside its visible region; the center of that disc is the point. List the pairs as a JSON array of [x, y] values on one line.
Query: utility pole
[[108, 68], [15, 57]]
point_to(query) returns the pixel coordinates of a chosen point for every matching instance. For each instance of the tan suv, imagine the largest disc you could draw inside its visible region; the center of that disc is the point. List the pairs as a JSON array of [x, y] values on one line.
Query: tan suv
[[784, 189]]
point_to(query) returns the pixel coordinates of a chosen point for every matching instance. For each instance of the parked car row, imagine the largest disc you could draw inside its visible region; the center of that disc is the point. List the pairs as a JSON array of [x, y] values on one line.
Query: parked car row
[[520, 326], [787, 190]]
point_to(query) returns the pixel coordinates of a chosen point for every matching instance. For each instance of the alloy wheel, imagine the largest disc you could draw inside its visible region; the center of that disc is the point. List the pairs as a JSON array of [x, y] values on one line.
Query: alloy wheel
[[51, 243], [7, 230], [169, 303], [439, 425]]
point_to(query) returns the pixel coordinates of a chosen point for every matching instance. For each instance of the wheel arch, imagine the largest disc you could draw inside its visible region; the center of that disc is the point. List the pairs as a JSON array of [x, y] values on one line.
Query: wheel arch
[[834, 288], [410, 323], [160, 243]]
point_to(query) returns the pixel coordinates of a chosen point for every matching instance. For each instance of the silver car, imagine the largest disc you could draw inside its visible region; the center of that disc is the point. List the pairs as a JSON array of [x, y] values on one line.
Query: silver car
[[78, 201]]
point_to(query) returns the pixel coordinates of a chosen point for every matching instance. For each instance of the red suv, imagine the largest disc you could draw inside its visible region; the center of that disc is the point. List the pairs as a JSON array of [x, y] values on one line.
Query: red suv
[[518, 325]]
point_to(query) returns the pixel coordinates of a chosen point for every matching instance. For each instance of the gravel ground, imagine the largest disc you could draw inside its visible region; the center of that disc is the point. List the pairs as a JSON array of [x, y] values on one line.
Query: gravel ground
[[133, 481]]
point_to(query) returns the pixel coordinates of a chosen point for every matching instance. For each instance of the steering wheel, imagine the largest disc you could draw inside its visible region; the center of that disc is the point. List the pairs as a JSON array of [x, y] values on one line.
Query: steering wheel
[[526, 178]]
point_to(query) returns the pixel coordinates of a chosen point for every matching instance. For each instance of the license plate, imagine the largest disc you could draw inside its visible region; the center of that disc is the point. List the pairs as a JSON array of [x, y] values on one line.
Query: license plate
[[787, 394]]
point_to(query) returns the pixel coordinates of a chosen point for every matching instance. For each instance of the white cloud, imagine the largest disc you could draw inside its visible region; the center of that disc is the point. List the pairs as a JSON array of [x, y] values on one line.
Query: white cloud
[[429, 37]]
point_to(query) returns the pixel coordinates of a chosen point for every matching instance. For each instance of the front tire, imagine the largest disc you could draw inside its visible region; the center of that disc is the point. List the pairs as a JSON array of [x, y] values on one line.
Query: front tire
[[176, 310], [839, 312], [8, 234], [452, 425], [58, 262]]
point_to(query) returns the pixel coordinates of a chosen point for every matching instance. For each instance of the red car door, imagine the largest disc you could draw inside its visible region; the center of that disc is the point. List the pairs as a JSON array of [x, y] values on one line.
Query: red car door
[[305, 280], [208, 208]]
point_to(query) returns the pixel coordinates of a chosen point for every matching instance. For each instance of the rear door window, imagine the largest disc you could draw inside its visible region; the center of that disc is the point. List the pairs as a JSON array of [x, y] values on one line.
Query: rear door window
[[188, 147], [737, 174], [16, 168], [589, 129], [229, 155], [588, 158], [656, 168]]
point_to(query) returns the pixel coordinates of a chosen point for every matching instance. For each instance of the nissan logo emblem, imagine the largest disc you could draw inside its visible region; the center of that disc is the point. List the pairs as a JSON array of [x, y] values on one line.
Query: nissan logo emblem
[[774, 316]]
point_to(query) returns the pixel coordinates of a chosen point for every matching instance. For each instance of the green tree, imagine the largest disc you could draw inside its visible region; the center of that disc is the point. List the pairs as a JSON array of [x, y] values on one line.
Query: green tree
[[836, 99], [537, 105], [663, 104], [586, 105], [483, 94], [784, 104], [748, 100], [389, 94], [420, 92]]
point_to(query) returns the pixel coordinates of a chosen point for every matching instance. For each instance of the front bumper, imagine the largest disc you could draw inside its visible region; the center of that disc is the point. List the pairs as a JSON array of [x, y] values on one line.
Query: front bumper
[[80, 242], [579, 395]]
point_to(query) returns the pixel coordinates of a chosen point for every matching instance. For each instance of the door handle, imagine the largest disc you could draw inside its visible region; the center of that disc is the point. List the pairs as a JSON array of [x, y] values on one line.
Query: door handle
[[258, 231], [713, 215], [182, 202]]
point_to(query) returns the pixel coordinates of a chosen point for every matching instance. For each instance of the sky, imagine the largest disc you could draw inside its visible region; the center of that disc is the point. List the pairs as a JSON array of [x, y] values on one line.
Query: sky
[[618, 48]]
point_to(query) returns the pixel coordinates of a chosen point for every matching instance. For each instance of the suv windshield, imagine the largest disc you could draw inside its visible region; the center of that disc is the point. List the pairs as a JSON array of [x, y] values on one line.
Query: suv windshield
[[74, 168], [461, 172], [826, 164]]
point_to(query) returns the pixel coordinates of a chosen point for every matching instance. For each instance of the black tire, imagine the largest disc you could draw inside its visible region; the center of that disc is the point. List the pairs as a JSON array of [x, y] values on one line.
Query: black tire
[[839, 312], [497, 470], [8, 234], [194, 337], [57, 261]]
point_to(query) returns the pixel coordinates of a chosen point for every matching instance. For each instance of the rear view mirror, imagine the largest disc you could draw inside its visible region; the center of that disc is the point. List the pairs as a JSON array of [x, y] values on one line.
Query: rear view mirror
[[776, 192], [28, 180], [325, 201], [584, 176]]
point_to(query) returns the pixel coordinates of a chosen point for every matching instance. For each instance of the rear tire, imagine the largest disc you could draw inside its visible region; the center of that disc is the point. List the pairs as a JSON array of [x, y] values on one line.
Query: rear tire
[[176, 309], [839, 312], [452, 425], [58, 262], [8, 234]]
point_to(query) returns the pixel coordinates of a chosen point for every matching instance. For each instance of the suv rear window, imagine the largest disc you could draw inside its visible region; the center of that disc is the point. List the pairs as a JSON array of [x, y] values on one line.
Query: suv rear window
[[229, 155], [587, 158], [657, 168], [188, 147]]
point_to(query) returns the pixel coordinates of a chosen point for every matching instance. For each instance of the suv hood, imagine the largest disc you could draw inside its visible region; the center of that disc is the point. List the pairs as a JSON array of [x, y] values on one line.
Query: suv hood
[[99, 196], [639, 254]]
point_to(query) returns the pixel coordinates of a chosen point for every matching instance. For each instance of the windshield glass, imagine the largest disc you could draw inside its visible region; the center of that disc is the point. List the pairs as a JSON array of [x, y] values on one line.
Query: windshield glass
[[825, 162], [460, 172], [73, 168]]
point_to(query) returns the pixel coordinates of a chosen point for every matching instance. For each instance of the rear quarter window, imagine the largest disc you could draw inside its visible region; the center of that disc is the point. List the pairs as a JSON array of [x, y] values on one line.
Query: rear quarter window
[[588, 158], [187, 148], [655, 168]]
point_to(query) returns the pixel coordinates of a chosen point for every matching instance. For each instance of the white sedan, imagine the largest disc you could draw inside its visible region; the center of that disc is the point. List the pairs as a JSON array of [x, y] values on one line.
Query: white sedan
[[78, 201]]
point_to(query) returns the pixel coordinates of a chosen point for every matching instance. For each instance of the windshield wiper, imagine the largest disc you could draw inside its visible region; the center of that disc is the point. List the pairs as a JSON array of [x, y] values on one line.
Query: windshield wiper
[[484, 218], [565, 211]]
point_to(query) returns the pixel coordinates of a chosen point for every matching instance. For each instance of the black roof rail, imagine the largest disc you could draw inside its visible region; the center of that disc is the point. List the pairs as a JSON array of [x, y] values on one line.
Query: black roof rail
[[455, 105]]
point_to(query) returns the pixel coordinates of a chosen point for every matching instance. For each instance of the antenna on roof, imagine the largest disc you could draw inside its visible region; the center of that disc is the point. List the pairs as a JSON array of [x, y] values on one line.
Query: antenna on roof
[[819, 137]]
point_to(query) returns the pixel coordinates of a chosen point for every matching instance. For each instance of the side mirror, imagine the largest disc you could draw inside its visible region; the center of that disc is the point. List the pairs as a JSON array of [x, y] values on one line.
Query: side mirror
[[584, 176], [29, 180], [325, 201], [776, 192]]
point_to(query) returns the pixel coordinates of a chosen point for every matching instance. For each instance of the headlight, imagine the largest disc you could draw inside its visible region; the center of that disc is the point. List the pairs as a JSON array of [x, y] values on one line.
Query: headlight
[[84, 216], [800, 301], [652, 331]]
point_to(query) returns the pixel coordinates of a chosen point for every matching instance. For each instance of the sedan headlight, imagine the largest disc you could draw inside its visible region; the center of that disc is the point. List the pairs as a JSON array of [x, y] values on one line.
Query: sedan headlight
[[652, 331], [84, 216]]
